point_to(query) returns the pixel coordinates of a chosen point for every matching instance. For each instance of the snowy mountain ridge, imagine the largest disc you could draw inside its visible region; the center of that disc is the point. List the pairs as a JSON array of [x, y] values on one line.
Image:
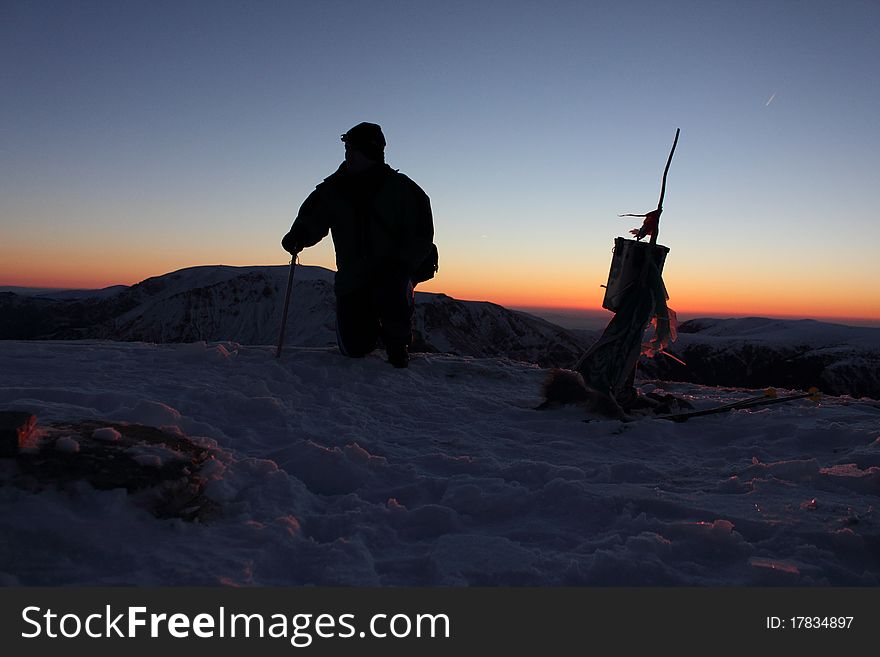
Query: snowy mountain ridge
[[244, 305], [788, 332], [756, 352]]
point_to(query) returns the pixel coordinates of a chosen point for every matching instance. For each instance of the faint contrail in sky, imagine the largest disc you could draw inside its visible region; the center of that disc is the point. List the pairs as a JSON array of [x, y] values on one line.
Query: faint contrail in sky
[[770, 100]]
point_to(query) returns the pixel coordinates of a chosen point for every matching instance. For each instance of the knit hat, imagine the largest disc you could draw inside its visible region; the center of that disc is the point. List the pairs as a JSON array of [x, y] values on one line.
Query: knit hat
[[367, 138]]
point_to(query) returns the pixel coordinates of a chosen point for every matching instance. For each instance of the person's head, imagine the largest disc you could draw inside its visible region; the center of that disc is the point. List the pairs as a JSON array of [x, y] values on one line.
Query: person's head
[[364, 145]]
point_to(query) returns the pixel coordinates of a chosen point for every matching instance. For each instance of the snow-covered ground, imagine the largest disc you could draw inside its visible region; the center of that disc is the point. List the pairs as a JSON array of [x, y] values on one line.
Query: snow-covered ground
[[336, 471]]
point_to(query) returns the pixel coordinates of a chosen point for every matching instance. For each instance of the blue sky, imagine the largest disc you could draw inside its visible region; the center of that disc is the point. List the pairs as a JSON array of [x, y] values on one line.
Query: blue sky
[[140, 137]]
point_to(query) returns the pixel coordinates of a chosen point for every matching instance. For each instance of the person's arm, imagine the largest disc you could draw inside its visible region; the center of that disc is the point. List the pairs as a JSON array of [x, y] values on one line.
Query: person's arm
[[309, 228], [419, 230]]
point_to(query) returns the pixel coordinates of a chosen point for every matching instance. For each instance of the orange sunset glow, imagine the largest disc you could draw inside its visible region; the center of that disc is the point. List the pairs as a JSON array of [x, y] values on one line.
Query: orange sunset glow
[[505, 284]]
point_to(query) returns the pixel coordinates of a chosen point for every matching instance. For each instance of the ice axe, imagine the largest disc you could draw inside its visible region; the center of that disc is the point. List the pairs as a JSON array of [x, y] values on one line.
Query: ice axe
[[286, 307]]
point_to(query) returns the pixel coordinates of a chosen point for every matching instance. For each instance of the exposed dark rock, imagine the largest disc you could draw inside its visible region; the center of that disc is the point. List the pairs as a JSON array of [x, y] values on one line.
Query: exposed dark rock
[[111, 455]]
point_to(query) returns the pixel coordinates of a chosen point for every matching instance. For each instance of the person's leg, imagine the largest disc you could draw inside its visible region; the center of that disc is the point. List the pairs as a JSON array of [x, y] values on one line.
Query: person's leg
[[395, 305], [357, 324]]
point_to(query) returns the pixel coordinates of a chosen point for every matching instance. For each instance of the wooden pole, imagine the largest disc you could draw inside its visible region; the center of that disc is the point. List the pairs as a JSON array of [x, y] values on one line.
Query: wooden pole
[[663, 187]]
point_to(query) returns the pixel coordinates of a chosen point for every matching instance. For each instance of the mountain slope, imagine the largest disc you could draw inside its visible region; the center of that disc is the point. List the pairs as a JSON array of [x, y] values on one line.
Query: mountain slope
[[245, 304], [755, 352]]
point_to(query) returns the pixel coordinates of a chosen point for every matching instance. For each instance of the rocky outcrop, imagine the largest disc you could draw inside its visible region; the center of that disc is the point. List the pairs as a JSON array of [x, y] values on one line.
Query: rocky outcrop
[[162, 471]]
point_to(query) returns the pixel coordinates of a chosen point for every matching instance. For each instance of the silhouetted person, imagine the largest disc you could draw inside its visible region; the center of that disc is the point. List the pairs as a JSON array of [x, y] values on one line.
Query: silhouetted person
[[382, 231]]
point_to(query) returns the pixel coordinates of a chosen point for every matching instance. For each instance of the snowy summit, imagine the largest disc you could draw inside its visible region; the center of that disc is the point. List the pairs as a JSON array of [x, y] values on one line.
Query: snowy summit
[[316, 469]]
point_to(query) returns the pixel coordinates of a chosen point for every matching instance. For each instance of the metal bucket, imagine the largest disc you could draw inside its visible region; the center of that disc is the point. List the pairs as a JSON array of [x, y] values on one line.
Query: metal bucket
[[627, 262]]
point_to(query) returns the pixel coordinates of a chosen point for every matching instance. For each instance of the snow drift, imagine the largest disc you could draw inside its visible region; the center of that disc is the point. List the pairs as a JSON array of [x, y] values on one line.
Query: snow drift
[[329, 471]]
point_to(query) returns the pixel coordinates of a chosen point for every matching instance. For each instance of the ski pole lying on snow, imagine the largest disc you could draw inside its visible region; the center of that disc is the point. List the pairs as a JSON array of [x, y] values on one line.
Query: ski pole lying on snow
[[769, 397], [769, 393], [286, 307]]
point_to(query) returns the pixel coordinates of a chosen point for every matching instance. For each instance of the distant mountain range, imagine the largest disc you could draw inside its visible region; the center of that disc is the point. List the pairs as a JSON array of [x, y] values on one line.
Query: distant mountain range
[[756, 352], [244, 305]]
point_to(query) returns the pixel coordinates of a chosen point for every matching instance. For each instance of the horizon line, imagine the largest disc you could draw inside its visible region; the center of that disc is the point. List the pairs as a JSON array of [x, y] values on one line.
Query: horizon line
[[592, 312]]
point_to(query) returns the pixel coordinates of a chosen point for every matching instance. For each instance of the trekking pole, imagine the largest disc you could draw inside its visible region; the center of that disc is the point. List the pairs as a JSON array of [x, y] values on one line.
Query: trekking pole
[[286, 307]]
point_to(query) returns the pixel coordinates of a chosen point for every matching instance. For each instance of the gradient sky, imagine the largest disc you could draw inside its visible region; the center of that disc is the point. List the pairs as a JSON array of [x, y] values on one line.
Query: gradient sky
[[142, 137]]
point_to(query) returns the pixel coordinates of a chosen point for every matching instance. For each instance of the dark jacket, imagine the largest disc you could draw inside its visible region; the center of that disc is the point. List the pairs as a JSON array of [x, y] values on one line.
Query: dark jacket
[[379, 219]]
